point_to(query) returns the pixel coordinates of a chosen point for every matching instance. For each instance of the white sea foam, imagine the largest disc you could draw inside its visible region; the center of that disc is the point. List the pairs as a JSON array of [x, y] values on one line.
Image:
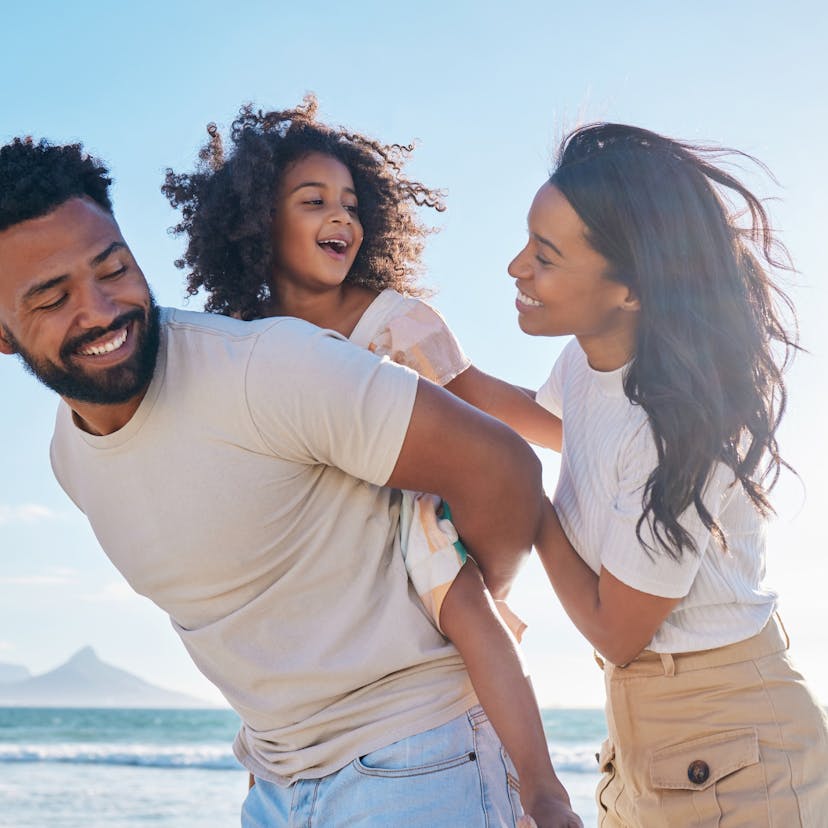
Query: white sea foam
[[577, 758], [204, 757], [572, 758]]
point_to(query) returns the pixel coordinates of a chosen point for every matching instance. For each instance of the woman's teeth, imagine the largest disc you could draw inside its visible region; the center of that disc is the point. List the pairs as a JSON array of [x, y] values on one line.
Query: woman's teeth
[[528, 300], [107, 347]]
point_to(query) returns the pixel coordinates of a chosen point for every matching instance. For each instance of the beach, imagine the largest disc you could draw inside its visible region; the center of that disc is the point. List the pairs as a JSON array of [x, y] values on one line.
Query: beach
[[84, 768]]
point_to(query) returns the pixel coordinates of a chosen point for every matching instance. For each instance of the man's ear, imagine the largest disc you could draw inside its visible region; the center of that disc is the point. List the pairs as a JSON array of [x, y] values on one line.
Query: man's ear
[[6, 346]]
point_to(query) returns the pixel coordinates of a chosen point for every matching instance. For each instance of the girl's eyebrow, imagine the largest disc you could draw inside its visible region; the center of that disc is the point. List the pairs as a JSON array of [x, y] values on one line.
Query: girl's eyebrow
[[320, 184]]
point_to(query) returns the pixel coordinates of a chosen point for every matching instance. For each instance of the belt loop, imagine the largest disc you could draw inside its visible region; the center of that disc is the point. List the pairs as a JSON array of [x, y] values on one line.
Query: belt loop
[[668, 664], [784, 631]]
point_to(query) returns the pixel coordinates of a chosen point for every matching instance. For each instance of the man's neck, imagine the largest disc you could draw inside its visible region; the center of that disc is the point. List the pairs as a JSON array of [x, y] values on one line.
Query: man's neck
[[101, 420]]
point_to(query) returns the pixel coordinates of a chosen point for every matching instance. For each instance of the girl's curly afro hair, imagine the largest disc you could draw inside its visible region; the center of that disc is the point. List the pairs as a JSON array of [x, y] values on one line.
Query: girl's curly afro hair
[[227, 207]]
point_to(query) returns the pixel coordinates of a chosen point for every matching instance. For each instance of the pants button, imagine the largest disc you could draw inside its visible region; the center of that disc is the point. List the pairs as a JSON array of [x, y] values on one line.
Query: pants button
[[698, 772]]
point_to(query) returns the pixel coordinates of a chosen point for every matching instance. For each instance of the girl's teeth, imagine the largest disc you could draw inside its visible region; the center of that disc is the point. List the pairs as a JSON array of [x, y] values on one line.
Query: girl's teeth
[[107, 348]]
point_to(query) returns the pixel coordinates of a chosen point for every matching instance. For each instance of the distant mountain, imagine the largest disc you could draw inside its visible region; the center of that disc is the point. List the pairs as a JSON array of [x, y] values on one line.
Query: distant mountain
[[12, 672], [86, 681]]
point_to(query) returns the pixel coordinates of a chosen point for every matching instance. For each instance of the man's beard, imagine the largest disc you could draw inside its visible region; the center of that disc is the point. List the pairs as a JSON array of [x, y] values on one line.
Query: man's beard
[[109, 386]]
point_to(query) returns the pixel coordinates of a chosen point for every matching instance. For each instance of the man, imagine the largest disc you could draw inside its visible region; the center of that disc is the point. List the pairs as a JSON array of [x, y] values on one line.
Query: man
[[243, 476]]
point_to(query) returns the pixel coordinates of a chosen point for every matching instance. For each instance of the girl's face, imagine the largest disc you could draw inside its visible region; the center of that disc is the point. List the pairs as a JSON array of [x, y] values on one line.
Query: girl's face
[[315, 232], [562, 283]]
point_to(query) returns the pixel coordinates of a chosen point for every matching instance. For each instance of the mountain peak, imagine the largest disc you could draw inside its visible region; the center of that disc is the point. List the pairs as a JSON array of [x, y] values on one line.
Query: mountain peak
[[84, 656]]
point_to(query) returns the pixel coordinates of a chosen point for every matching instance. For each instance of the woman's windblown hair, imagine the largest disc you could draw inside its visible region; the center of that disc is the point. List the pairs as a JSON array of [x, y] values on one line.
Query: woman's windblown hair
[[227, 206], [715, 330]]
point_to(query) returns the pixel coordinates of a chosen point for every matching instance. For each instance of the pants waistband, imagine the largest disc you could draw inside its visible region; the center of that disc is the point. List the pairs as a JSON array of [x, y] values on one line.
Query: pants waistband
[[772, 639]]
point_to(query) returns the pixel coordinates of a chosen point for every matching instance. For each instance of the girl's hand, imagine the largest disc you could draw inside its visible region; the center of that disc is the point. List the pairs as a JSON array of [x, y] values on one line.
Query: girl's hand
[[550, 812]]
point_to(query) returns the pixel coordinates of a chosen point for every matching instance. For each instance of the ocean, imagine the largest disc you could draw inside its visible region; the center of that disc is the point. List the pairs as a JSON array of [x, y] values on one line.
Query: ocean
[[85, 768]]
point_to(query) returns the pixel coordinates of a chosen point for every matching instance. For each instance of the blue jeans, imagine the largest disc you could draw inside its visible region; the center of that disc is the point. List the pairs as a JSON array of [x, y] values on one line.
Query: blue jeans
[[454, 775]]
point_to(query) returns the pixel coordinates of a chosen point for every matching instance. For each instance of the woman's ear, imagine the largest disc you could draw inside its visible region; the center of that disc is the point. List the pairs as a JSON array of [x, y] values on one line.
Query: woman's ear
[[631, 301]]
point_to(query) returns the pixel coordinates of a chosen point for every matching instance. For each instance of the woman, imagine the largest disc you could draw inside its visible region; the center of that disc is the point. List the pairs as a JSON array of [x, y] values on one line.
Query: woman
[[670, 394]]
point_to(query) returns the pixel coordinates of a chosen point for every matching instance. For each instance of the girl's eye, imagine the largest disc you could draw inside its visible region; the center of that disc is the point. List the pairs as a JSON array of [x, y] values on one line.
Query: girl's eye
[[352, 208], [315, 201]]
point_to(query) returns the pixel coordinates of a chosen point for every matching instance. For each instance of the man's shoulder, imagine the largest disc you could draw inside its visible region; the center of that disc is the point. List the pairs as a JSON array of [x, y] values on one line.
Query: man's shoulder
[[213, 324]]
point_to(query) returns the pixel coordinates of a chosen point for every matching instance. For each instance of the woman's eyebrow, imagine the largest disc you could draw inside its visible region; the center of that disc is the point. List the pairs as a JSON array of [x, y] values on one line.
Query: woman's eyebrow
[[547, 243]]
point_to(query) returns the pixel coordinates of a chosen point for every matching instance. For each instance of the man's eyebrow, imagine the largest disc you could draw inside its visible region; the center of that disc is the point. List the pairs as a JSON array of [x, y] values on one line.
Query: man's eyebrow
[[548, 243], [105, 254], [321, 184]]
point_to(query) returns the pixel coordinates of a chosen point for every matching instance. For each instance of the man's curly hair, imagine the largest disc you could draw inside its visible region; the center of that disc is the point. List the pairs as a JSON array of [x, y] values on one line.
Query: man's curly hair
[[35, 178], [227, 207]]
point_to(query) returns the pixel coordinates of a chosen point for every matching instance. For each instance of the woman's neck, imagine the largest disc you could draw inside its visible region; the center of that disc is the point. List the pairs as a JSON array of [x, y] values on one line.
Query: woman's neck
[[338, 309], [609, 352]]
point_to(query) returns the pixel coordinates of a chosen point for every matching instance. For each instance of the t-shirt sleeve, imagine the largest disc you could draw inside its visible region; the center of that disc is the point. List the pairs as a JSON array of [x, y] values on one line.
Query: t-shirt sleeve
[[314, 397], [420, 339], [550, 394], [623, 554]]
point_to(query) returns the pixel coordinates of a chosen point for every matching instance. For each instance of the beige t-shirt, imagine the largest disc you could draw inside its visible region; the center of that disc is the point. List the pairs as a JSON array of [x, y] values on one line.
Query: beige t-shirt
[[244, 498]]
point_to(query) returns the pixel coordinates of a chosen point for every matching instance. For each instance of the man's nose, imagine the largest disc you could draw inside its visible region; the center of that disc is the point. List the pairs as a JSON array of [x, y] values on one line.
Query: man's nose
[[97, 307]]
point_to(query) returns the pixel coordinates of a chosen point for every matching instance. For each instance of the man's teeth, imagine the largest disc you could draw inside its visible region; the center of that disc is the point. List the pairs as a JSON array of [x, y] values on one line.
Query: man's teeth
[[108, 347], [528, 300]]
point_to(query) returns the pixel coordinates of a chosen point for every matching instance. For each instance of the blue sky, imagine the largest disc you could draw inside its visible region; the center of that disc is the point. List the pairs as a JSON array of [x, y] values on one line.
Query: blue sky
[[486, 90]]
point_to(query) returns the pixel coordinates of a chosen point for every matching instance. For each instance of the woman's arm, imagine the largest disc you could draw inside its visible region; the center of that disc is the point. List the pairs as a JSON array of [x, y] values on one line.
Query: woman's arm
[[618, 621], [511, 404]]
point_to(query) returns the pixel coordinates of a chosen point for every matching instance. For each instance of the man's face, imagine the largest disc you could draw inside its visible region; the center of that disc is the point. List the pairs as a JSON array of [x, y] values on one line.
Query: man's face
[[75, 307]]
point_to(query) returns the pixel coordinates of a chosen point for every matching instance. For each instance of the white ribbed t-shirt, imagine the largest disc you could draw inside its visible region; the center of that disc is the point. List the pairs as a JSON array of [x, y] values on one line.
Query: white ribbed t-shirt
[[608, 454]]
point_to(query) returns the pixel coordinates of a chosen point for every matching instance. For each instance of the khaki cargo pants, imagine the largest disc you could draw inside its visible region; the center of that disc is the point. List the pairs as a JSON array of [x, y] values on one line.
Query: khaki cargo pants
[[729, 737]]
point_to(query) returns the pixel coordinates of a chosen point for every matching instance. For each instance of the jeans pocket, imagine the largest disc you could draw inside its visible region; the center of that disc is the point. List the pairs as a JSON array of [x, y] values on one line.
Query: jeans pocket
[[710, 778], [398, 760]]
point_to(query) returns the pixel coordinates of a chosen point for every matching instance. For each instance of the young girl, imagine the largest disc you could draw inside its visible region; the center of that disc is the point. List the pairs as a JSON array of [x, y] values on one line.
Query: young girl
[[671, 393], [309, 221]]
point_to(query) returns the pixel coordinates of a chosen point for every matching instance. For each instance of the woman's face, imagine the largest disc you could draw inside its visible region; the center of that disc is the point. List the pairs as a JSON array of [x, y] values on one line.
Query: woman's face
[[562, 283]]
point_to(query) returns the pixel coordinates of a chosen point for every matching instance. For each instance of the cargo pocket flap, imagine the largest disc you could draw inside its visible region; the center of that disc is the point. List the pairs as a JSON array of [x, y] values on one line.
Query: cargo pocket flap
[[700, 763], [606, 756]]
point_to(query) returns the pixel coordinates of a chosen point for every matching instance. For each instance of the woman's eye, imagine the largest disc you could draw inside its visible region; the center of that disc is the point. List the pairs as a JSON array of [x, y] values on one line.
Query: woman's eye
[[544, 262], [315, 201]]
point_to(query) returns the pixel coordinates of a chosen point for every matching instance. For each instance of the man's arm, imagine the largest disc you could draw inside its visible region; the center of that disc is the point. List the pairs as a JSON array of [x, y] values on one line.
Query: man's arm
[[489, 476]]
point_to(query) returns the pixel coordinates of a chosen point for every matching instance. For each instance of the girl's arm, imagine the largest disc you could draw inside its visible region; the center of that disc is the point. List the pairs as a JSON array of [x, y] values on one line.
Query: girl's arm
[[469, 619], [511, 404], [618, 621]]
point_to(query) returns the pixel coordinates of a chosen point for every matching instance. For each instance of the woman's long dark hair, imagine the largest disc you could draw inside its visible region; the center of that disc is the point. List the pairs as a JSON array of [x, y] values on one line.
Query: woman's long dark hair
[[712, 342]]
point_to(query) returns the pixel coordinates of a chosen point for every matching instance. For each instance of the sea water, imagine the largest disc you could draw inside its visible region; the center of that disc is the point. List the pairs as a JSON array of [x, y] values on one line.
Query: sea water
[[84, 768]]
